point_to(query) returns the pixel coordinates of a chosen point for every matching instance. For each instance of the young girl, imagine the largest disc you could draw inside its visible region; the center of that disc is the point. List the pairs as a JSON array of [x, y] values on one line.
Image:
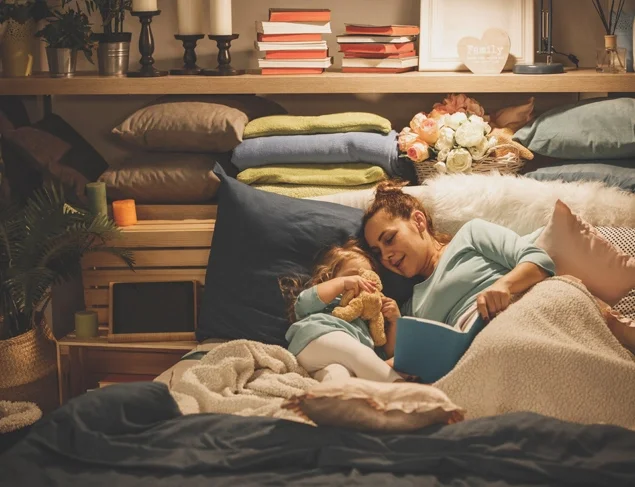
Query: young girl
[[329, 347]]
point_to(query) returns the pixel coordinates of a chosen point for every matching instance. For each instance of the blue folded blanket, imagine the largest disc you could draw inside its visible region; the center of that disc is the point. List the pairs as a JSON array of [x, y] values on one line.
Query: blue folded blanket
[[338, 148]]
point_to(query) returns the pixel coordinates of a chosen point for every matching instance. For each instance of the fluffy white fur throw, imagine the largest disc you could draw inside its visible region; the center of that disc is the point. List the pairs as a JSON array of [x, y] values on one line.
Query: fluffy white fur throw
[[242, 377], [551, 353], [519, 203], [17, 415]]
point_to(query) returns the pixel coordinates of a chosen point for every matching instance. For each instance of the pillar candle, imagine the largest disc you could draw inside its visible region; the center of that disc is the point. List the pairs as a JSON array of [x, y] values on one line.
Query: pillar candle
[[220, 17], [86, 324], [190, 15], [144, 5], [96, 193], [124, 212]]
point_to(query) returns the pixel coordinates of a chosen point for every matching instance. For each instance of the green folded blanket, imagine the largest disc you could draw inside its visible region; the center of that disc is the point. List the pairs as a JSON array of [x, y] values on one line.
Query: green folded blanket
[[313, 174], [321, 124], [308, 191]]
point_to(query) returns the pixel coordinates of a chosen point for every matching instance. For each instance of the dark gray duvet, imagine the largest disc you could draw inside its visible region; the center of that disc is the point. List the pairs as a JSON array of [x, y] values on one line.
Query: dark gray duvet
[[134, 434]]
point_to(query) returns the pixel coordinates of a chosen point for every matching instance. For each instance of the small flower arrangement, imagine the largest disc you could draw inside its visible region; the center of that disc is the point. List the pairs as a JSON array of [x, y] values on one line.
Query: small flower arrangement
[[452, 136]]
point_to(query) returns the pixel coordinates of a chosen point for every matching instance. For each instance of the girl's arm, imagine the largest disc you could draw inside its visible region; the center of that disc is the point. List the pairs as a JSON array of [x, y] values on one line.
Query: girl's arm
[[391, 312], [329, 290]]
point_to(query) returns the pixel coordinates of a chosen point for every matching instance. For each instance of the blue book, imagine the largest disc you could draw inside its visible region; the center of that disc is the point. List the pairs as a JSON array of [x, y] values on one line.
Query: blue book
[[429, 349]]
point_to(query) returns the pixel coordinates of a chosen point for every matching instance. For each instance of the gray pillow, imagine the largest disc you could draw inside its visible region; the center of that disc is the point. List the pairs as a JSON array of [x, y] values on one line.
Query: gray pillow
[[620, 176], [592, 129]]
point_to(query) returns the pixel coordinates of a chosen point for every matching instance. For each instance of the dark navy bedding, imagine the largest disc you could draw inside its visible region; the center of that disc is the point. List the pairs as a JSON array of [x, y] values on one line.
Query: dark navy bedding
[[134, 434]]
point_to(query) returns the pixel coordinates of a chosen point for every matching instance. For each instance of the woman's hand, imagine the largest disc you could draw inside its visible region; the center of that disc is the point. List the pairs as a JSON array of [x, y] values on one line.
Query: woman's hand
[[357, 284], [390, 310], [493, 300]]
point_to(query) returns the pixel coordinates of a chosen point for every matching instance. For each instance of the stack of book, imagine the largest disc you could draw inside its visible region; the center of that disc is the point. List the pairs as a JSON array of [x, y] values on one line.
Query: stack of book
[[292, 41], [379, 48]]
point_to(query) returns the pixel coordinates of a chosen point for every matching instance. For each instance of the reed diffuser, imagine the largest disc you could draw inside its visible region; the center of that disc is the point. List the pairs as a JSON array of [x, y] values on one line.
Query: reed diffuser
[[610, 58]]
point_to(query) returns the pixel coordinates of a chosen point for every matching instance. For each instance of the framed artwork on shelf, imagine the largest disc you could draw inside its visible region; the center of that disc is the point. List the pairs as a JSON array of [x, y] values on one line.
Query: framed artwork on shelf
[[445, 22]]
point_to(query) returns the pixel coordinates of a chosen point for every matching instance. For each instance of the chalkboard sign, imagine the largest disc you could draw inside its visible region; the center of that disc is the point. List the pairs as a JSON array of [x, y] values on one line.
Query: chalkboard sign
[[152, 311]]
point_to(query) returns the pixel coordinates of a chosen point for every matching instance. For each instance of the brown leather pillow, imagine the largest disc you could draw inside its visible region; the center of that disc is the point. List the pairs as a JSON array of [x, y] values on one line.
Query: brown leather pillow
[[163, 178]]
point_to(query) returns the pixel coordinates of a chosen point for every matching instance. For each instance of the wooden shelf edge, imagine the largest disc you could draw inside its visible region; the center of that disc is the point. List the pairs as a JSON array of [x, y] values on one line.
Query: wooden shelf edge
[[572, 81]]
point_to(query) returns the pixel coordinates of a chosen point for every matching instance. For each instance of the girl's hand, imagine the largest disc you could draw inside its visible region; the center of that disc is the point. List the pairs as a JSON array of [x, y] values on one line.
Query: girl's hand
[[493, 300], [390, 310], [357, 284]]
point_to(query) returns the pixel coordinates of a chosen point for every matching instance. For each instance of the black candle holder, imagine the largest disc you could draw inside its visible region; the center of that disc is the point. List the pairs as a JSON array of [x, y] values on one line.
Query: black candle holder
[[189, 57], [146, 47], [224, 57]]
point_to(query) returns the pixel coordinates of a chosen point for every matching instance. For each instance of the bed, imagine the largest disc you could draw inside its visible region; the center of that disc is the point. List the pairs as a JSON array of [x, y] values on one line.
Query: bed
[[145, 433]]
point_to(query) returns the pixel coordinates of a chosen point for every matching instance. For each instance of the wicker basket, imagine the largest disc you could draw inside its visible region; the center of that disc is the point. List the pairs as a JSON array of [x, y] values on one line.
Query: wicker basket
[[29, 368], [504, 159]]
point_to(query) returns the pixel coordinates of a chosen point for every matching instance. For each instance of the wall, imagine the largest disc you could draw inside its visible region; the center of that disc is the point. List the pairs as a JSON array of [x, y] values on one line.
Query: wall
[[577, 29]]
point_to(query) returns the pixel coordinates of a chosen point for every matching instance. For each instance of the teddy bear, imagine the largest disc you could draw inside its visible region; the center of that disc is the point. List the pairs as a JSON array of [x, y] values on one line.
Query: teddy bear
[[366, 306]]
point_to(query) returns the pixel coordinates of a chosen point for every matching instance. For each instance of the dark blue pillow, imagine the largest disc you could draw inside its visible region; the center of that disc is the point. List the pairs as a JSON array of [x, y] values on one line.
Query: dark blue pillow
[[259, 237], [620, 174]]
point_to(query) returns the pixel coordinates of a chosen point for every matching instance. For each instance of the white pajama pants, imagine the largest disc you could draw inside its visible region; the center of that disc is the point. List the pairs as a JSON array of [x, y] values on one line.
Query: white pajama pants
[[338, 355]]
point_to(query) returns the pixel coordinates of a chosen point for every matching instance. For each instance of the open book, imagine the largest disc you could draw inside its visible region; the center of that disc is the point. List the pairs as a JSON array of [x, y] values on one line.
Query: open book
[[430, 349]]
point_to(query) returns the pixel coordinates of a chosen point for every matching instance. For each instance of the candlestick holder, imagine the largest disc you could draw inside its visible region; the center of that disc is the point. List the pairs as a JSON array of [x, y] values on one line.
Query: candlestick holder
[[189, 57], [146, 47], [224, 67]]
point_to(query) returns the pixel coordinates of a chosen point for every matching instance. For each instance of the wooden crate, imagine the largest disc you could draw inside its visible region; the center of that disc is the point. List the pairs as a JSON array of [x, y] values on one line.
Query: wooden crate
[[170, 243]]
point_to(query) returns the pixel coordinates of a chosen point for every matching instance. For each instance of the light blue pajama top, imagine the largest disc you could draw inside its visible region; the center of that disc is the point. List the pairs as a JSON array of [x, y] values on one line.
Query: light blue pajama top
[[479, 254], [315, 319]]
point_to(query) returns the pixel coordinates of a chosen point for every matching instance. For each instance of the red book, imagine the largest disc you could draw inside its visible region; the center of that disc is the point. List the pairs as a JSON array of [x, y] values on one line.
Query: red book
[[296, 54], [289, 37], [269, 71], [382, 30], [383, 48], [299, 15], [377, 70], [380, 55]]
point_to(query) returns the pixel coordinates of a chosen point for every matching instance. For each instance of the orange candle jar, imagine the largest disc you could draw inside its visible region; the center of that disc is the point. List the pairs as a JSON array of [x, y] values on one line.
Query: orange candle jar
[[124, 212]]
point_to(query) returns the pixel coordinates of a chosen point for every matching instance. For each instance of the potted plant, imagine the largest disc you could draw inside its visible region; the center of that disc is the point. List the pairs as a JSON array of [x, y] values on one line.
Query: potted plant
[[66, 33], [113, 50], [18, 18], [41, 245]]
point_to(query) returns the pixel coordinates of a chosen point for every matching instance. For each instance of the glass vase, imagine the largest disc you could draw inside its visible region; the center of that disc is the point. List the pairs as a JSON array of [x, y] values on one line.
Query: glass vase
[[611, 59], [17, 48]]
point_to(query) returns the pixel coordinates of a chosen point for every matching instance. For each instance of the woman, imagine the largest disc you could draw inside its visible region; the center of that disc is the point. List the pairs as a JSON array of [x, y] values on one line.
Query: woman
[[483, 263]]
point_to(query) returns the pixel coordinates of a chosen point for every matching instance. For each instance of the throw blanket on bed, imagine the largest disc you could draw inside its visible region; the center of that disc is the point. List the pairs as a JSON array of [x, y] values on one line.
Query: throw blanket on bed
[[320, 124], [314, 174], [242, 377], [549, 353], [341, 148]]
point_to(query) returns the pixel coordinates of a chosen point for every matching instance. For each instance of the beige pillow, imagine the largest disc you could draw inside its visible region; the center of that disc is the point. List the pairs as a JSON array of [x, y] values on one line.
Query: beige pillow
[[188, 126], [579, 250], [375, 406], [163, 178]]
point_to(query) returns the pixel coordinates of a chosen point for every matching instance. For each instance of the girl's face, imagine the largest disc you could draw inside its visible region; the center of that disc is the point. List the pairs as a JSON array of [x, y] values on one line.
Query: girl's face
[[403, 246], [352, 266]]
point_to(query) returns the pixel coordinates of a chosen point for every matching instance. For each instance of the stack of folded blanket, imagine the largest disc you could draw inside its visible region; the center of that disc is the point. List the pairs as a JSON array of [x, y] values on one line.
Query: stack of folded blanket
[[304, 156]]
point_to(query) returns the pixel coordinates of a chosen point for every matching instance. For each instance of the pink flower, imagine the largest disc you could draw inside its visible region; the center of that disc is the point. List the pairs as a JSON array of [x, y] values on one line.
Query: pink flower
[[439, 112], [429, 131], [460, 103], [418, 152], [417, 120], [406, 140]]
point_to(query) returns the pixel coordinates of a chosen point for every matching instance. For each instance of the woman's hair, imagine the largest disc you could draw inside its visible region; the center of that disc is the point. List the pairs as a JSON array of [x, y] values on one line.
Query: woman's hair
[[390, 197], [327, 265]]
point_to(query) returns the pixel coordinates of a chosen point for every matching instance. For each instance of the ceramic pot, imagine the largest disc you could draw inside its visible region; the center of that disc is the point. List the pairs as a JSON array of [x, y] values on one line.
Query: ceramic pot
[[17, 48]]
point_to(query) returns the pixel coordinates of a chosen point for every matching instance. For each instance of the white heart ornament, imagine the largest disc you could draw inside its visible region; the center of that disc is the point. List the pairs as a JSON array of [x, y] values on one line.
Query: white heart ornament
[[487, 55]]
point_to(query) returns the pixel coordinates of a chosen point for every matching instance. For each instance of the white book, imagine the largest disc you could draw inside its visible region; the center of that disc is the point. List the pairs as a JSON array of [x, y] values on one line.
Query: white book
[[406, 62], [264, 27], [295, 63], [375, 39], [291, 46]]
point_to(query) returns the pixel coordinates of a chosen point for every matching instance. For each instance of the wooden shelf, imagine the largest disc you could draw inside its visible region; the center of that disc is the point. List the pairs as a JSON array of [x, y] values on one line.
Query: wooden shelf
[[573, 81]]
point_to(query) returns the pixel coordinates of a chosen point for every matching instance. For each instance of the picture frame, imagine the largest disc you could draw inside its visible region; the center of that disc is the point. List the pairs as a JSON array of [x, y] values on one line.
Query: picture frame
[[153, 311], [444, 22]]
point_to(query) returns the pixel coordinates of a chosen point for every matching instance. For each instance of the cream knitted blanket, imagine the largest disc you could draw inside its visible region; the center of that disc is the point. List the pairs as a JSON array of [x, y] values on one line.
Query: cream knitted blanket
[[550, 353], [242, 377]]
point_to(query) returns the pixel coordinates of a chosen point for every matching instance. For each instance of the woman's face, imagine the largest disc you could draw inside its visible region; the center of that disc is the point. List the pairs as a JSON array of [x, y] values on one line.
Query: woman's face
[[403, 246]]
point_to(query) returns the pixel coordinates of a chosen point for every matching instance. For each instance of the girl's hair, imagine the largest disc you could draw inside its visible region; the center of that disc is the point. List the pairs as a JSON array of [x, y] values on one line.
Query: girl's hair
[[390, 198], [327, 265]]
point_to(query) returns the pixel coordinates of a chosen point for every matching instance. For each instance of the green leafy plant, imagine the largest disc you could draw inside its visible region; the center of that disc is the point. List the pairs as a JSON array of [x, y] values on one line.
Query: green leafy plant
[[41, 244], [69, 29], [23, 10], [112, 12]]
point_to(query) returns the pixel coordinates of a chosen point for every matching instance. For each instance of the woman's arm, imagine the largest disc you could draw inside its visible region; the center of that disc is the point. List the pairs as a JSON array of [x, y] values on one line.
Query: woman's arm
[[497, 297]]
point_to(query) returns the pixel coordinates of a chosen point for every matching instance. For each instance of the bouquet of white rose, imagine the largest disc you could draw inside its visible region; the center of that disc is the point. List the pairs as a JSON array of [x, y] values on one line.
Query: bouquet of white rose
[[453, 138]]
